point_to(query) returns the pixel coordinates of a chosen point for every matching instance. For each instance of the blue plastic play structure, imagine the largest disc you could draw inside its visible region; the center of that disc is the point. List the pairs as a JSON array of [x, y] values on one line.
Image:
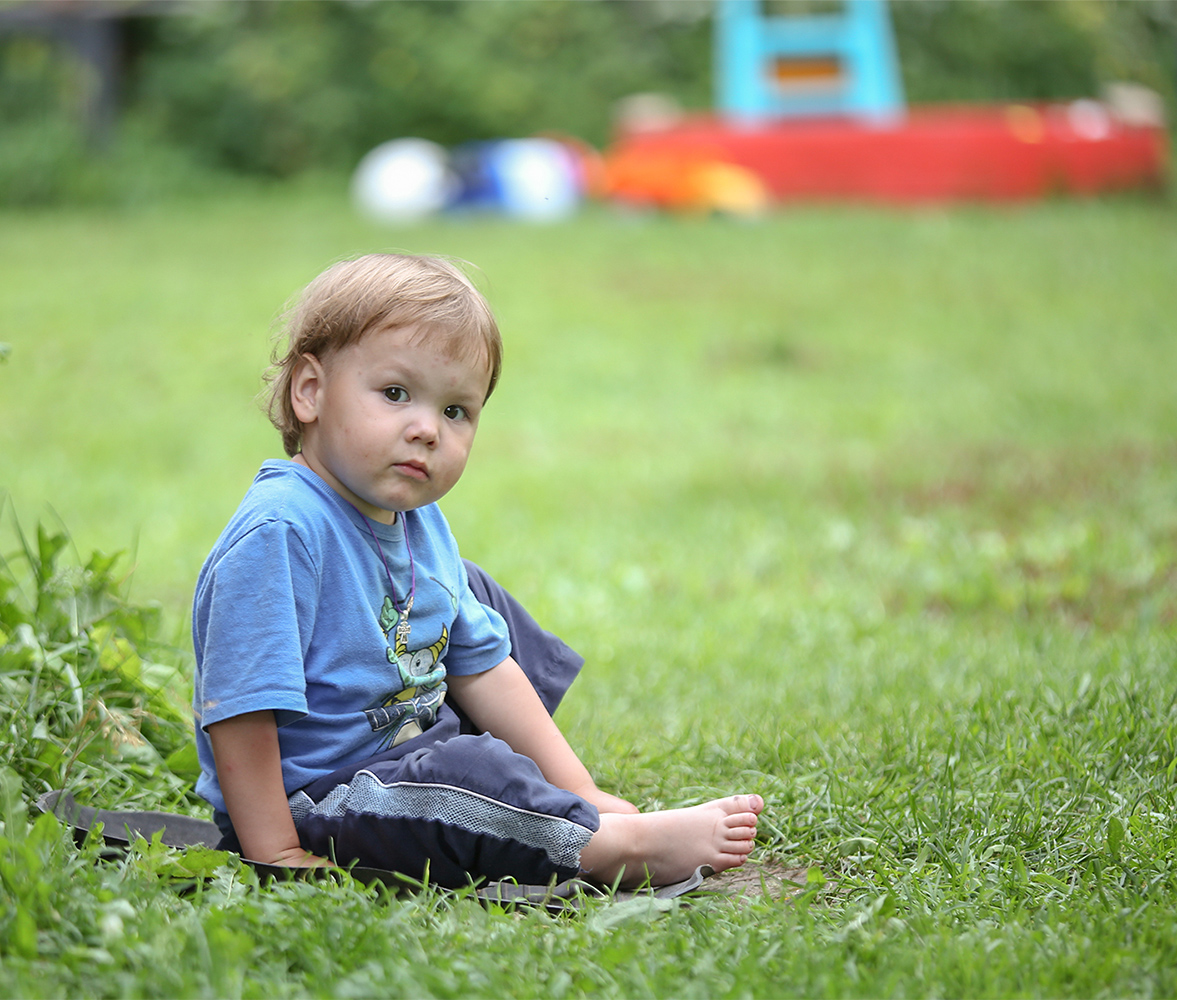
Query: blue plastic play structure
[[770, 67]]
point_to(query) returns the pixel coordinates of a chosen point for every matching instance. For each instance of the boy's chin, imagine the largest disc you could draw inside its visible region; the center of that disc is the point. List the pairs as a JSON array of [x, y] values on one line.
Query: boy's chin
[[388, 511]]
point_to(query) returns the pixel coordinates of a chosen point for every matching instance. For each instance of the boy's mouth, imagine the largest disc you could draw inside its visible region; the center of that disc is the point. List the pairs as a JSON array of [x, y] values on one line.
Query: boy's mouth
[[412, 469]]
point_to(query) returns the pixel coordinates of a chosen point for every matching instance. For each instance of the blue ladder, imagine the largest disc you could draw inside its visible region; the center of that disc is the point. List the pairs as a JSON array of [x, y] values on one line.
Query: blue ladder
[[806, 65]]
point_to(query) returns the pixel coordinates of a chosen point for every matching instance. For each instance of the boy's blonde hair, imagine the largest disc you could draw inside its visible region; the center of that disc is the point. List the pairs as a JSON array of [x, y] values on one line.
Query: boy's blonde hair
[[376, 292]]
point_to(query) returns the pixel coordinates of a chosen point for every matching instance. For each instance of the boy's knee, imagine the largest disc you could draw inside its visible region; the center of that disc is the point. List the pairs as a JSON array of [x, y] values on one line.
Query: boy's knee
[[467, 761]]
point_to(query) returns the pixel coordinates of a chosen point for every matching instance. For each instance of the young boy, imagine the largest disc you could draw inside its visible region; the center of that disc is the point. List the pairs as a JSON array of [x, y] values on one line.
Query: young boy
[[356, 701]]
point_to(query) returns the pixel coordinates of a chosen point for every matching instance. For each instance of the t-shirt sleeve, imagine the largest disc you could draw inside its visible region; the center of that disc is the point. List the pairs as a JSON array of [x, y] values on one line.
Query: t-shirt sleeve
[[255, 611], [479, 638]]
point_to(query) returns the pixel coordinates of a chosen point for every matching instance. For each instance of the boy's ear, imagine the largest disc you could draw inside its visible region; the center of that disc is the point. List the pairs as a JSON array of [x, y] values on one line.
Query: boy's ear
[[306, 384]]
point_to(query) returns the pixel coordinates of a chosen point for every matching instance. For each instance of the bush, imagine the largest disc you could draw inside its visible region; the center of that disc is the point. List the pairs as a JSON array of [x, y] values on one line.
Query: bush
[[987, 50], [278, 88], [1012, 50], [83, 699]]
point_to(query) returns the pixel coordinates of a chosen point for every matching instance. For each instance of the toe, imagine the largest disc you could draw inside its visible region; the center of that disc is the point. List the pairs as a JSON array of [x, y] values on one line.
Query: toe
[[747, 804]]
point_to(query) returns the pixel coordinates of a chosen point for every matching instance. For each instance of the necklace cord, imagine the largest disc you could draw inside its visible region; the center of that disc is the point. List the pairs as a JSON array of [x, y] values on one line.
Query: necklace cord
[[403, 612]]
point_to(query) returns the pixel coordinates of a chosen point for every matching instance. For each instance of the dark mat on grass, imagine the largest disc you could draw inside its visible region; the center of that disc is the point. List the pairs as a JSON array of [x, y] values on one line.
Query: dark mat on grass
[[121, 827]]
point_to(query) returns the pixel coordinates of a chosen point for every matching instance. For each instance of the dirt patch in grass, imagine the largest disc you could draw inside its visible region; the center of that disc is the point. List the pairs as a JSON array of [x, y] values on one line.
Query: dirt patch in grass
[[1080, 535], [1001, 482], [766, 878]]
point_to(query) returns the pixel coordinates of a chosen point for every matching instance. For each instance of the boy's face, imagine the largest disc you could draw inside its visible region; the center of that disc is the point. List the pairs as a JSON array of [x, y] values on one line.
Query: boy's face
[[388, 421]]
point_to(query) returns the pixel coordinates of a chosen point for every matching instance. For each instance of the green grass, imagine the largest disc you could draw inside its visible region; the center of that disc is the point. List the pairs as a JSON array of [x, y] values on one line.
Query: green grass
[[870, 512]]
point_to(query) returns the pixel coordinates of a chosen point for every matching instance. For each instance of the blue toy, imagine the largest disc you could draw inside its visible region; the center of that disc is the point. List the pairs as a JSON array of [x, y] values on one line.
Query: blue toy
[[806, 65]]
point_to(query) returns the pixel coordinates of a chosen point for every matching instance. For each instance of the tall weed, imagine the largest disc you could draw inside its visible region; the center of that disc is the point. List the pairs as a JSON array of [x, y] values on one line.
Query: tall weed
[[85, 699]]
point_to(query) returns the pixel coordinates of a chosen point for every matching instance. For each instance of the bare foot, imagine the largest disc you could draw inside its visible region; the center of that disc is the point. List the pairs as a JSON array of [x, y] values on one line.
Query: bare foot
[[668, 846]]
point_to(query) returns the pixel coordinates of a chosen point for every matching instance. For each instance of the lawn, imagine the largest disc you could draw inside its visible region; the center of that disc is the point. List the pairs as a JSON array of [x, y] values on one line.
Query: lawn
[[871, 512]]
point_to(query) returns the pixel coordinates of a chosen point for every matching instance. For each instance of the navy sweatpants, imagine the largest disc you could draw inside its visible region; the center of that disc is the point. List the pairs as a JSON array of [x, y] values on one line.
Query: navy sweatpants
[[454, 804]]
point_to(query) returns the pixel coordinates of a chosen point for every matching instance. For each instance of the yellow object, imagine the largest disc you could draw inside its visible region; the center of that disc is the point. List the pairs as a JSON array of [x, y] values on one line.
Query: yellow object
[[1025, 123], [725, 187]]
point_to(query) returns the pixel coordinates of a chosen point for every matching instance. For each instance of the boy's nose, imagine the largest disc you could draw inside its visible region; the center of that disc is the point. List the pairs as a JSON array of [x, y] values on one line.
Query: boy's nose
[[423, 428]]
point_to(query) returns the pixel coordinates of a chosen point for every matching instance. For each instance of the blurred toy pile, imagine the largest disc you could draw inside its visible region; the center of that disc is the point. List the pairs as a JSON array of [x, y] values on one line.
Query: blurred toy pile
[[808, 107], [545, 179]]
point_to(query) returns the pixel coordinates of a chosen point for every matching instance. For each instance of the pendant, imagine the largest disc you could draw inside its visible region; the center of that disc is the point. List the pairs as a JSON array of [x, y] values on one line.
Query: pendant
[[403, 627]]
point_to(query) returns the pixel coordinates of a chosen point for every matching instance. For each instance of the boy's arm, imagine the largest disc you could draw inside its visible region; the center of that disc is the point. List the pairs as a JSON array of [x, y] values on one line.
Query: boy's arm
[[249, 770], [503, 702]]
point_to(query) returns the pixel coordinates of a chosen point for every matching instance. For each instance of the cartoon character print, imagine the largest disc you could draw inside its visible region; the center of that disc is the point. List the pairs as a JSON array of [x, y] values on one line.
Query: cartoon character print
[[413, 709]]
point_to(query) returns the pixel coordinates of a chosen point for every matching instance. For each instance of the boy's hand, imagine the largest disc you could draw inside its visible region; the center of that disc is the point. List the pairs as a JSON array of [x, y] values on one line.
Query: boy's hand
[[297, 857]]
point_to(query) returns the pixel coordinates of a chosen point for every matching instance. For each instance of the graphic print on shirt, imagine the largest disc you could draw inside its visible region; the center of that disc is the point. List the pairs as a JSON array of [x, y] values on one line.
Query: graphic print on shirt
[[413, 709]]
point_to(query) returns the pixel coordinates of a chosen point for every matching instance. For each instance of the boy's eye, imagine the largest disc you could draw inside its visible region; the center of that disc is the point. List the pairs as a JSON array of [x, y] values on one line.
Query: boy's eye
[[456, 412], [396, 394]]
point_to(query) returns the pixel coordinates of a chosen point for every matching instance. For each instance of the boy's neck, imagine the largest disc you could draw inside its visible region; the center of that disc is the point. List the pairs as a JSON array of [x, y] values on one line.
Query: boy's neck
[[300, 459]]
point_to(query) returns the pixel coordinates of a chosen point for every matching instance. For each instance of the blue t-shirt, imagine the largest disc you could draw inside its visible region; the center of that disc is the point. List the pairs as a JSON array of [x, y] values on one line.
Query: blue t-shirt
[[297, 611]]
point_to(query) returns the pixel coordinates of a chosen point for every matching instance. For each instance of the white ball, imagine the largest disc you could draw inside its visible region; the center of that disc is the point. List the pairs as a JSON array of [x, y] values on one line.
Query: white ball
[[538, 179], [403, 180]]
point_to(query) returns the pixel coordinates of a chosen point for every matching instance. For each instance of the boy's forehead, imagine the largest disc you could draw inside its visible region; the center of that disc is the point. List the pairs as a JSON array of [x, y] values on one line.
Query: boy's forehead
[[464, 346]]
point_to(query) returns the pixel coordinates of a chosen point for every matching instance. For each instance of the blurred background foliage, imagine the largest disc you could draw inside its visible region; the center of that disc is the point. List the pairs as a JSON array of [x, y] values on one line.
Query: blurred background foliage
[[220, 89]]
